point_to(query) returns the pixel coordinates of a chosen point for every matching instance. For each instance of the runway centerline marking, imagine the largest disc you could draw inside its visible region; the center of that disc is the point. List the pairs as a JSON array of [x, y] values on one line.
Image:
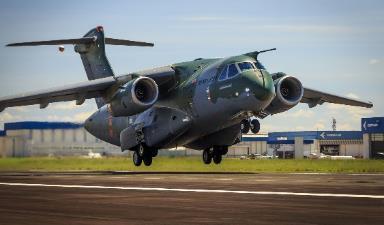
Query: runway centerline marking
[[194, 190]]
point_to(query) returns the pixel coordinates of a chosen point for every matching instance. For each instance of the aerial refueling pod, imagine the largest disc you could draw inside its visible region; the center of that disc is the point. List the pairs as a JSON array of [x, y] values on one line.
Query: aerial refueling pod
[[289, 92], [134, 97]]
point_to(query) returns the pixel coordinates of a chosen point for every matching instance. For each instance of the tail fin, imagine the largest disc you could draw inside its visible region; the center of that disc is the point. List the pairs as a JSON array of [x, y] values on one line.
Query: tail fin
[[93, 55], [94, 59], [92, 52]]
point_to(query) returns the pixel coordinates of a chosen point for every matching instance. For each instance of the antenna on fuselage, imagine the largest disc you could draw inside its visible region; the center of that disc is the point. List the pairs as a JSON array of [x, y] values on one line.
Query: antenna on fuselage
[[255, 54]]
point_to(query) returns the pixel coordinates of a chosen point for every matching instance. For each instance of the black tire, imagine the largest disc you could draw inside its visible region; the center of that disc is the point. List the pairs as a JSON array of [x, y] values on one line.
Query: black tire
[[137, 159], [147, 160], [217, 158], [245, 126], [207, 157], [255, 126], [141, 150], [155, 152]]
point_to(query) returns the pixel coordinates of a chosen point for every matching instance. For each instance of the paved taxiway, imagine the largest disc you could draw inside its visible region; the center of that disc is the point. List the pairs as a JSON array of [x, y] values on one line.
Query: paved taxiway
[[190, 198]]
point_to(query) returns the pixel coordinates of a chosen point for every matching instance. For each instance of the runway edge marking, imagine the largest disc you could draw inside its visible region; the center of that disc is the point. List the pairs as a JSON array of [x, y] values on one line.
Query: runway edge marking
[[195, 190]]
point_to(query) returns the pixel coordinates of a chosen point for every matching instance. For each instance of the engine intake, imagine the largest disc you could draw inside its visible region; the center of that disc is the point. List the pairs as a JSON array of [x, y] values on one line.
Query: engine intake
[[289, 92], [135, 97]]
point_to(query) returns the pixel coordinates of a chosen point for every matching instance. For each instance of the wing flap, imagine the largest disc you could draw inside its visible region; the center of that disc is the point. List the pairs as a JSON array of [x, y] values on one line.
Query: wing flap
[[78, 92], [314, 97]]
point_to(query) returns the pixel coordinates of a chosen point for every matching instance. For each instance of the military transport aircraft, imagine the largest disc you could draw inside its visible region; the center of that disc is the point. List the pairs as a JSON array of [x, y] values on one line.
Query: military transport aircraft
[[204, 104]]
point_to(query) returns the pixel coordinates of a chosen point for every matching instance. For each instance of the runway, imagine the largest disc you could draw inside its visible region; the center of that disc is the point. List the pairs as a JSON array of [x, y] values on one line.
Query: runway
[[114, 197]]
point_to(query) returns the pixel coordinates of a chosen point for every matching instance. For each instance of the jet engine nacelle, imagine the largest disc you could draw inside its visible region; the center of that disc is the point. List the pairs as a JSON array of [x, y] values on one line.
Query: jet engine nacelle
[[135, 97], [289, 92]]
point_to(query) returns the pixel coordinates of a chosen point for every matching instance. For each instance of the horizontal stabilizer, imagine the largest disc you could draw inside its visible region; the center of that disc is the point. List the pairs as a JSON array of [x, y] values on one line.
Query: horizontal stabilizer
[[112, 41], [84, 40]]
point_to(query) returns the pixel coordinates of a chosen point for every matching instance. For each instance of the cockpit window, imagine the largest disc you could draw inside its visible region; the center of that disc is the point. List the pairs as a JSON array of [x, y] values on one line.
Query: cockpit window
[[223, 74], [246, 66], [259, 65], [232, 70]]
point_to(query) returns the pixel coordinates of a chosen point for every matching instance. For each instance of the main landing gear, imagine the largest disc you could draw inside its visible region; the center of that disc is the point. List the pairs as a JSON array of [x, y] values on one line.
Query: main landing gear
[[143, 154], [216, 154]]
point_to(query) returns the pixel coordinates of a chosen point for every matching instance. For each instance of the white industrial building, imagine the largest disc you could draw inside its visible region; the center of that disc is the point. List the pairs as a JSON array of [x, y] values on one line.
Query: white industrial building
[[50, 138], [21, 139]]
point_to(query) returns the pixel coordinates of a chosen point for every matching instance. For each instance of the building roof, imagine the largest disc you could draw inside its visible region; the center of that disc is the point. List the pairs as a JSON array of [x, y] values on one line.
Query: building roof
[[29, 125]]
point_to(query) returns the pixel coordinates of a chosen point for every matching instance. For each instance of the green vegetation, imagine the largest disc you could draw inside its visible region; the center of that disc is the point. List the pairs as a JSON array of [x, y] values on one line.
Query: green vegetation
[[191, 164]]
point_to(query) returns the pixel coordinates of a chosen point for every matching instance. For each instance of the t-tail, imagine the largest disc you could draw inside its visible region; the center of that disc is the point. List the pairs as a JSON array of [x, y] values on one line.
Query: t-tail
[[91, 48]]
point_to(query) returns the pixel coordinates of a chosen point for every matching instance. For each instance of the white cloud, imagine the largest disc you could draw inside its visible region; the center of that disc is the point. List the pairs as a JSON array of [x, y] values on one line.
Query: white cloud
[[301, 113], [352, 95], [319, 125], [7, 117], [65, 105], [204, 18], [344, 126], [79, 117], [306, 28], [374, 61], [263, 24], [352, 114], [355, 112]]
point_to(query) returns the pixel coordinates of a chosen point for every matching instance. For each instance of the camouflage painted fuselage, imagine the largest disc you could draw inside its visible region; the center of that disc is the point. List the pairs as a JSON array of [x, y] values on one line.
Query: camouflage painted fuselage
[[201, 111]]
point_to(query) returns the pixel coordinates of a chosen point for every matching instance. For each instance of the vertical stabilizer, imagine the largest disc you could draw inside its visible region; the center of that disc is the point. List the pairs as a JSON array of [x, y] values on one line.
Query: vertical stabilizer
[[94, 59]]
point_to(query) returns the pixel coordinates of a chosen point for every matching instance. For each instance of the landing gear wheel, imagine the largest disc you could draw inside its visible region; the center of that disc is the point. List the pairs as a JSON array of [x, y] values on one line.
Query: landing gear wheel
[[147, 160], [245, 126], [255, 126], [217, 158], [141, 150], [207, 157], [137, 159]]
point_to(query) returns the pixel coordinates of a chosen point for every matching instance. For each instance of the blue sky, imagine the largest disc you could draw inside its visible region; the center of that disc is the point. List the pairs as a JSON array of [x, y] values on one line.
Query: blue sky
[[335, 46]]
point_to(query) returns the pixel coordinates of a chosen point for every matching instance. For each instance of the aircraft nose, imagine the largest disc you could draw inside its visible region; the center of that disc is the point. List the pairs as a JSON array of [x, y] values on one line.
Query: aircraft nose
[[262, 84], [89, 123]]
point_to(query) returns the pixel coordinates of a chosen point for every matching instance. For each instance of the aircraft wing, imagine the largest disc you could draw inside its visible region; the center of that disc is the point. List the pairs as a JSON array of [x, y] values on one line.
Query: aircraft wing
[[78, 92], [103, 87], [313, 97]]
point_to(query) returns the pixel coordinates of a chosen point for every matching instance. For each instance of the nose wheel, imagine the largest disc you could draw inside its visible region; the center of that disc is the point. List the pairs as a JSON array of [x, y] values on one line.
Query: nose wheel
[[245, 126], [255, 126]]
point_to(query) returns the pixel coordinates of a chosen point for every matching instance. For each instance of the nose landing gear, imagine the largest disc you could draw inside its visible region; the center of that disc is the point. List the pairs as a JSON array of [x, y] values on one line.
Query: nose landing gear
[[253, 125]]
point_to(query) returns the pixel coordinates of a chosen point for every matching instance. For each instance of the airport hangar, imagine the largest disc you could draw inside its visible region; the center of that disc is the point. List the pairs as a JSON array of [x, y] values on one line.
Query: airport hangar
[[23, 139]]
